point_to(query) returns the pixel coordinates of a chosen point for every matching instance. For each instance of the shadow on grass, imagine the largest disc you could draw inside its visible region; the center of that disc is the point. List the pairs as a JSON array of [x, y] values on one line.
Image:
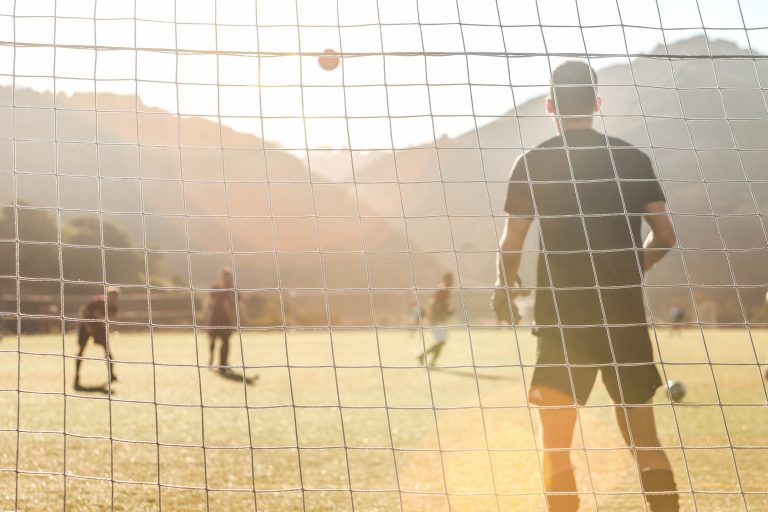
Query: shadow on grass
[[237, 377], [100, 388], [467, 373]]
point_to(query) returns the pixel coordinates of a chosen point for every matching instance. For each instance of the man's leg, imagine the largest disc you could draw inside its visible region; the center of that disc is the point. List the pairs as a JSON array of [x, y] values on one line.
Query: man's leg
[[561, 384], [440, 335], [224, 352], [78, 363], [557, 425], [100, 338], [652, 463], [435, 347], [83, 334], [435, 351], [426, 352], [633, 385], [110, 364], [211, 346]]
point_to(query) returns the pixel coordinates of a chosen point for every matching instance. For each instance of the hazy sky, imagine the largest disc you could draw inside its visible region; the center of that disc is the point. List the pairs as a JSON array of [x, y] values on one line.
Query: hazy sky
[[164, 51]]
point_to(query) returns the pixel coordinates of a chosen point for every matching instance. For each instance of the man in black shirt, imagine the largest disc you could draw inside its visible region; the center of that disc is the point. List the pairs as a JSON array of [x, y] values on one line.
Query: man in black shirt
[[222, 317], [589, 193], [94, 317]]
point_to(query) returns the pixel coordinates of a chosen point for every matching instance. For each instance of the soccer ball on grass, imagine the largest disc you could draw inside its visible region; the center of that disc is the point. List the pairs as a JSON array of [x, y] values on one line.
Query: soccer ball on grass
[[675, 390]]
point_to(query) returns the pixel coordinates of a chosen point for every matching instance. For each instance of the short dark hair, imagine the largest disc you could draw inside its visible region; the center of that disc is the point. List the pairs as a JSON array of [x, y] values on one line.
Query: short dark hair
[[579, 92]]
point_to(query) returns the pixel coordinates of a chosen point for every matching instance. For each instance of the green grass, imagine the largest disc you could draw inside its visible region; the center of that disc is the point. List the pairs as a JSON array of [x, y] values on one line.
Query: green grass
[[361, 390]]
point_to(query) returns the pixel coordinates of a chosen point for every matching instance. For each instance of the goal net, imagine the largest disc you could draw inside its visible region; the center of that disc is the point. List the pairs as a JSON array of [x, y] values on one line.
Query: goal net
[[280, 222]]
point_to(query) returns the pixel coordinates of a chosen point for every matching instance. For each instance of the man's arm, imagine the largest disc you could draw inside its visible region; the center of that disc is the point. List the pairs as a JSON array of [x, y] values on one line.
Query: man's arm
[[511, 244], [508, 263], [662, 235]]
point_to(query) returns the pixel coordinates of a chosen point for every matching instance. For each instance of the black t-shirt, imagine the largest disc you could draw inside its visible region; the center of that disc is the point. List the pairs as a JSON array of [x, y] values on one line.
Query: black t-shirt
[[589, 199], [96, 308], [222, 306]]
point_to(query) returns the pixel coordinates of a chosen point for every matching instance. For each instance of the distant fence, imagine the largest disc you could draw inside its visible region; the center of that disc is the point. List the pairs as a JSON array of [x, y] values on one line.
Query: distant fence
[[142, 307], [184, 308]]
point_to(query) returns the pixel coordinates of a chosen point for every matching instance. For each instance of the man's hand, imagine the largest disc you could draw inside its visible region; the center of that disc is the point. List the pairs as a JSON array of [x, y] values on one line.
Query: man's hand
[[504, 306], [661, 238], [507, 265]]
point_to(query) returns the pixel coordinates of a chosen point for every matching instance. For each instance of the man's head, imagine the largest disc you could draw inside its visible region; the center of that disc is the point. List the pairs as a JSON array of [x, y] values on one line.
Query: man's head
[[573, 90], [226, 277], [113, 294]]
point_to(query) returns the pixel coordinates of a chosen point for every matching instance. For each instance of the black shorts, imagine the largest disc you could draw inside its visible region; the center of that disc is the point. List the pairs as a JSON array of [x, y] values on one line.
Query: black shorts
[[632, 379], [96, 329], [220, 332]]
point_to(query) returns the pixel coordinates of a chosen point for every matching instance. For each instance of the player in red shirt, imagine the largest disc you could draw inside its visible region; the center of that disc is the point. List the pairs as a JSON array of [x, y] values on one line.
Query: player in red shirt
[[221, 316], [94, 317]]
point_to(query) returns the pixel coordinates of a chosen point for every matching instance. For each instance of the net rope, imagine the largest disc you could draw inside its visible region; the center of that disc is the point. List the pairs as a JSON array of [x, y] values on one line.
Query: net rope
[[412, 454]]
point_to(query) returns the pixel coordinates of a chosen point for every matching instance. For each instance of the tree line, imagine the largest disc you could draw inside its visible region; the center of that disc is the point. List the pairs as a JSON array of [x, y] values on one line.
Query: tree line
[[54, 247]]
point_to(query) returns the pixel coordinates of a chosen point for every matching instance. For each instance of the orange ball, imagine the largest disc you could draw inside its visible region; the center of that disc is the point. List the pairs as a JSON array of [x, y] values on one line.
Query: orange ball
[[329, 60]]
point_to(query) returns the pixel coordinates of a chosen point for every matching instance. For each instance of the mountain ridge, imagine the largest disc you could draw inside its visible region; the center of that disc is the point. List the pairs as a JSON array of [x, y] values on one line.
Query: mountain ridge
[[396, 218]]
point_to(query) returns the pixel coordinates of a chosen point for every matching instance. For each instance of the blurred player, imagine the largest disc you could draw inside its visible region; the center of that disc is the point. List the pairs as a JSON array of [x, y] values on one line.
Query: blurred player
[[94, 317], [590, 313], [440, 310], [222, 317]]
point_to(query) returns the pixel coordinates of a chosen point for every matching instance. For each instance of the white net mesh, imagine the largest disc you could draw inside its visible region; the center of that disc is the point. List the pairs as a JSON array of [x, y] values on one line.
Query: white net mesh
[[148, 145]]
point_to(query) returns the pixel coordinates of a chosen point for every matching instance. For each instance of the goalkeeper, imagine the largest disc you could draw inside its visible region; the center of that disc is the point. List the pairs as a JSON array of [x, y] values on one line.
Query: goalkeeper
[[589, 193]]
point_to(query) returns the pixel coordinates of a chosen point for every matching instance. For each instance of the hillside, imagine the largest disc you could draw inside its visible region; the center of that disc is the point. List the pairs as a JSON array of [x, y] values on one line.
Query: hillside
[[201, 188], [674, 107], [403, 215]]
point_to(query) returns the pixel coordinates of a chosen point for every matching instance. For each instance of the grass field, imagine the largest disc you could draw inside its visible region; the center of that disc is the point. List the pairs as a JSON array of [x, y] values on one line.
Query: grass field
[[352, 410]]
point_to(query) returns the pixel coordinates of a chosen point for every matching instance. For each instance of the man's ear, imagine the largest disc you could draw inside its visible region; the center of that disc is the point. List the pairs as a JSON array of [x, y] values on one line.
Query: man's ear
[[550, 106], [598, 103]]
